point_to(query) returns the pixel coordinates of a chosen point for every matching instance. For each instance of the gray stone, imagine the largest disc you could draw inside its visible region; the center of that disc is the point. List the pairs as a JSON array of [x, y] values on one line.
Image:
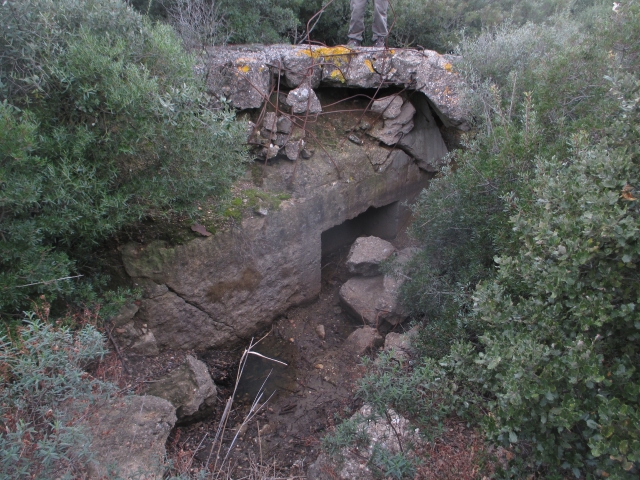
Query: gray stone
[[303, 99], [355, 139], [145, 345], [292, 149], [306, 154], [189, 388], [320, 332], [270, 121], [281, 140], [373, 299], [126, 313], [393, 129], [244, 75], [129, 436], [390, 107], [400, 343], [363, 340], [366, 254], [424, 142], [284, 125], [151, 289]]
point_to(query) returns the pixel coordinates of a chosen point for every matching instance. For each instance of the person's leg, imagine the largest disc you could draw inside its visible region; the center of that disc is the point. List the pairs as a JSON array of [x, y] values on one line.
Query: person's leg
[[380, 19], [356, 27]]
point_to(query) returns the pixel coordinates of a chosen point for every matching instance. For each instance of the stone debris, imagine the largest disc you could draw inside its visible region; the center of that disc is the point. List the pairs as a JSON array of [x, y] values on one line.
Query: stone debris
[[400, 343], [382, 433], [424, 142], [320, 332], [373, 299], [270, 121], [129, 436], [306, 154], [394, 129], [284, 125], [189, 388], [292, 149], [303, 99], [366, 254], [389, 107], [363, 340], [355, 139]]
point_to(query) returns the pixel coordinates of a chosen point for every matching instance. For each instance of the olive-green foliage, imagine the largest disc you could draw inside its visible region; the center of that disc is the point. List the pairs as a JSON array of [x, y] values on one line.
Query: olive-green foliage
[[44, 391], [548, 190], [103, 122]]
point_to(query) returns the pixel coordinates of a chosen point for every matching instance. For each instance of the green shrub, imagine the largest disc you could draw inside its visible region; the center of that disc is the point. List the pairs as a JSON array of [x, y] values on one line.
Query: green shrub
[[104, 123], [548, 189], [562, 330], [45, 390]]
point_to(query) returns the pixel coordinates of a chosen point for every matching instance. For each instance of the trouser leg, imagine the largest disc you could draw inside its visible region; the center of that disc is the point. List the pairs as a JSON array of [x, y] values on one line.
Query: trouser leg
[[380, 19], [356, 27]]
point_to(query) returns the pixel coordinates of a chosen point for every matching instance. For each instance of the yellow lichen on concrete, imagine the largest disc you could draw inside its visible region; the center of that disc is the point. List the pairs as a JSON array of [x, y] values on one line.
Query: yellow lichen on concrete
[[369, 65], [244, 68], [319, 52], [448, 67], [337, 75]]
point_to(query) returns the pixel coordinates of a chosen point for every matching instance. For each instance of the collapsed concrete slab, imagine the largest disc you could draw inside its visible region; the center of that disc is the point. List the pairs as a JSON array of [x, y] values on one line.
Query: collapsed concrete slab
[[245, 75]]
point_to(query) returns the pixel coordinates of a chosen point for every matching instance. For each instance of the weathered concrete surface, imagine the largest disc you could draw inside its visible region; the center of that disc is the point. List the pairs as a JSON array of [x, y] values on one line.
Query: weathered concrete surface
[[224, 288], [244, 75], [129, 436]]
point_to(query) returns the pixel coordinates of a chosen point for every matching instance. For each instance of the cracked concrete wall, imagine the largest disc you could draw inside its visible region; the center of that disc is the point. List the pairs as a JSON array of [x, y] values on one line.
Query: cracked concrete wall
[[224, 288]]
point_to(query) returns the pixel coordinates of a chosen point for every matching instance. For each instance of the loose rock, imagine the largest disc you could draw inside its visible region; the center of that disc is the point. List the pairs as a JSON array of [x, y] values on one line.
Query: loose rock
[[270, 121], [373, 299], [363, 340], [303, 99], [366, 254], [320, 331], [390, 106], [189, 388], [129, 435], [395, 128]]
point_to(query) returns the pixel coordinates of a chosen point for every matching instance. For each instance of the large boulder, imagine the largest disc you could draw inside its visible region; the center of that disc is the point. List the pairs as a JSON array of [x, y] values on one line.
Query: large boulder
[[189, 388], [400, 343], [363, 340], [366, 254], [128, 438], [373, 299]]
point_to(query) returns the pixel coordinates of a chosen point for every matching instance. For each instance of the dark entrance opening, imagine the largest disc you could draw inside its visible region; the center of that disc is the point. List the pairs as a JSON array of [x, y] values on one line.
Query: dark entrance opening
[[383, 222]]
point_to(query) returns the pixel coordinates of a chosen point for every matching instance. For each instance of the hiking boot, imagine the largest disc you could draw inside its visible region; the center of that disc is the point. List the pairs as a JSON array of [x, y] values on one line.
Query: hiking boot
[[379, 43], [354, 43]]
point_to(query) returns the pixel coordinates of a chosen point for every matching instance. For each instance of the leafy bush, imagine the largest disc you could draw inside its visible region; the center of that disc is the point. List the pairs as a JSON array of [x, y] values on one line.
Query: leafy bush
[[44, 391], [104, 123], [562, 332], [548, 189]]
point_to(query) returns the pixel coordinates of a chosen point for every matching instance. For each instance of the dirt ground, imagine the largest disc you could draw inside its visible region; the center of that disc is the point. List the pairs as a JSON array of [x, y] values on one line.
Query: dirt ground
[[306, 398]]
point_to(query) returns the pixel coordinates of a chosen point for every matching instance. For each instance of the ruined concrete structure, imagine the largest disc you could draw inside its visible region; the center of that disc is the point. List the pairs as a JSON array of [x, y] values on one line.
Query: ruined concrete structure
[[346, 162]]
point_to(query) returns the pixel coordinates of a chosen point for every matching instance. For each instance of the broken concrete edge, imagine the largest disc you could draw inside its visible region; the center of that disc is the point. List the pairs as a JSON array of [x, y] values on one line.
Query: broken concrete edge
[[244, 75]]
